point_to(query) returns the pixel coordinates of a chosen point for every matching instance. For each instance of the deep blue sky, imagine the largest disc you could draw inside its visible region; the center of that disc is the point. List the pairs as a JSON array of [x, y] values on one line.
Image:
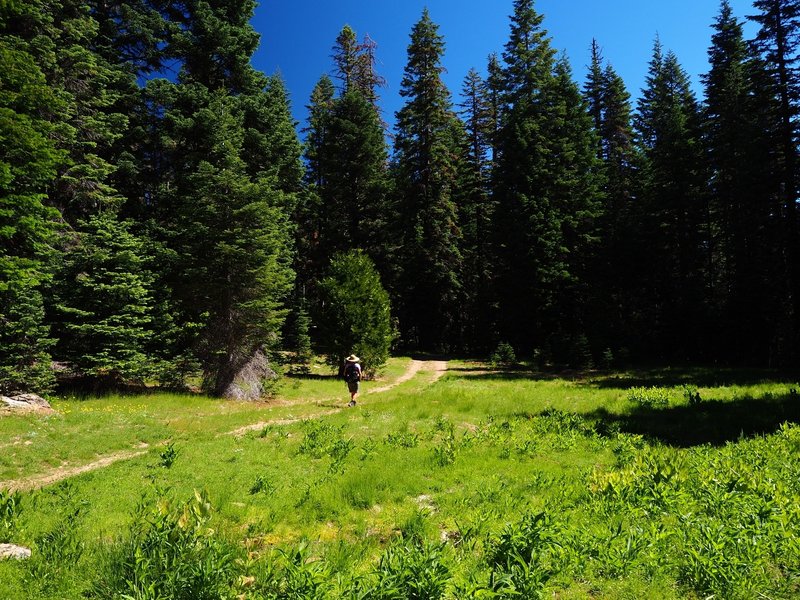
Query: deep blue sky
[[297, 36]]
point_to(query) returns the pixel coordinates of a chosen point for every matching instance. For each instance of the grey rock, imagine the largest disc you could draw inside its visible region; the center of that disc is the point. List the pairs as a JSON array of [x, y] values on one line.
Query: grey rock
[[15, 552], [25, 402]]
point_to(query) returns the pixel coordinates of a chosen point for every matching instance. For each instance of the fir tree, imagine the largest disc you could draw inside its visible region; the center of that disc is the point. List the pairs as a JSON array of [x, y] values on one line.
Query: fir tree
[[29, 160], [104, 303], [546, 189], [234, 248], [494, 101], [744, 199], [228, 169], [310, 216], [319, 113], [426, 152], [674, 243], [89, 86], [354, 65], [475, 211], [345, 56], [593, 89], [347, 203], [357, 312], [614, 269], [353, 197], [778, 41], [270, 146]]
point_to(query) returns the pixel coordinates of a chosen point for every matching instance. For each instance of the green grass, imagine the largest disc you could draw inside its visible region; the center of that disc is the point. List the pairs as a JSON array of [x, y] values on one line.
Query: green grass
[[485, 484]]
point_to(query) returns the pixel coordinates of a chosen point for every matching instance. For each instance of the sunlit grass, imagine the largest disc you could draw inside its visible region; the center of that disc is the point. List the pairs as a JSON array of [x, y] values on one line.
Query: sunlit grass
[[627, 491]]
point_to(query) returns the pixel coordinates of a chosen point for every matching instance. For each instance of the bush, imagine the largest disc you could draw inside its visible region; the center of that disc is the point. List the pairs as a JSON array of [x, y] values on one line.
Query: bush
[[651, 397], [412, 571], [503, 355], [169, 552]]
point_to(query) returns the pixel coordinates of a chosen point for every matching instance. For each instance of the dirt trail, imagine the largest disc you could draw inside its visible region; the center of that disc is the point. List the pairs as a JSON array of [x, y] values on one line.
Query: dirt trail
[[438, 367], [44, 479]]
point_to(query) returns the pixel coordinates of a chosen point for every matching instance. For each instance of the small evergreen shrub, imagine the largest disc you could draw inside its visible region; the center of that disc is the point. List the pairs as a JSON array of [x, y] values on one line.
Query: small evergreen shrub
[[356, 313], [503, 355]]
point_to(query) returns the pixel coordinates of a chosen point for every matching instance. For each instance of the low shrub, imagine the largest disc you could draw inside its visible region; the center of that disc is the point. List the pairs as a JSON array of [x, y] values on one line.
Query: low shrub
[[650, 398], [10, 509], [169, 552], [408, 571]]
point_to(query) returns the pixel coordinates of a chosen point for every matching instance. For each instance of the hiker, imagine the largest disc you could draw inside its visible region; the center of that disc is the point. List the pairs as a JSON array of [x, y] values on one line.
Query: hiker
[[352, 375]]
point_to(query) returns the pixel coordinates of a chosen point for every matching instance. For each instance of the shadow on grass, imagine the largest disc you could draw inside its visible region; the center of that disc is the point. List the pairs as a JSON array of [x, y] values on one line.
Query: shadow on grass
[[311, 376], [489, 373], [650, 377], [697, 376], [710, 422]]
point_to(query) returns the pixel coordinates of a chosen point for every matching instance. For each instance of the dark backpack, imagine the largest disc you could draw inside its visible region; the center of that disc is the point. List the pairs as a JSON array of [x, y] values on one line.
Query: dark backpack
[[352, 373]]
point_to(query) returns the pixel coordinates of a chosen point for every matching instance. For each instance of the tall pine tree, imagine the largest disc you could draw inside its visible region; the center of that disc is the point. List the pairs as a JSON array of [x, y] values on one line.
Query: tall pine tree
[[475, 211], [347, 206], [545, 182], [749, 295], [427, 138], [228, 171], [613, 278], [778, 41], [673, 212]]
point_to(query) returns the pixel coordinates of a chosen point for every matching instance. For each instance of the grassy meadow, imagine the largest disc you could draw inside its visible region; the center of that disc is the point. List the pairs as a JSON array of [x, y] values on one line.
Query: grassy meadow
[[482, 484]]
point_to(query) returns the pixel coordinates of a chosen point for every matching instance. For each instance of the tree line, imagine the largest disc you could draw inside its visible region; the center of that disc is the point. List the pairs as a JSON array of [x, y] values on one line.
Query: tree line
[[160, 216]]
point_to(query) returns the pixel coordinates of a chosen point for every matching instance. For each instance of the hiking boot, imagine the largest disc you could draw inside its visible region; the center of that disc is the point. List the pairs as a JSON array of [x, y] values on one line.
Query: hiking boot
[[351, 403]]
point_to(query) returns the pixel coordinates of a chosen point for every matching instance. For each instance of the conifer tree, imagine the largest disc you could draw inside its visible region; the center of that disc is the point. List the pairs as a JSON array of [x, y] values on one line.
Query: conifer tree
[[346, 56], [673, 209], [347, 205], [593, 89], [614, 269], [494, 99], [778, 41], [319, 112], [356, 312], [103, 302], [354, 65], [310, 216], [29, 160], [353, 198], [228, 170], [428, 135], [88, 83], [546, 190], [233, 244], [270, 146], [475, 209], [744, 200]]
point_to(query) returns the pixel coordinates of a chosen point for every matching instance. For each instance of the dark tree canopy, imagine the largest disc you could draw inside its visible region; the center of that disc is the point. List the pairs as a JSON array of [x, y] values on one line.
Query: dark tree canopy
[[160, 218]]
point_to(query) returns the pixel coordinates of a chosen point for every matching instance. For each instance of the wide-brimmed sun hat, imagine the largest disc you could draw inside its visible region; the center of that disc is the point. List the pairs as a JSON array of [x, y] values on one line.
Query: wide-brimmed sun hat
[[352, 358]]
